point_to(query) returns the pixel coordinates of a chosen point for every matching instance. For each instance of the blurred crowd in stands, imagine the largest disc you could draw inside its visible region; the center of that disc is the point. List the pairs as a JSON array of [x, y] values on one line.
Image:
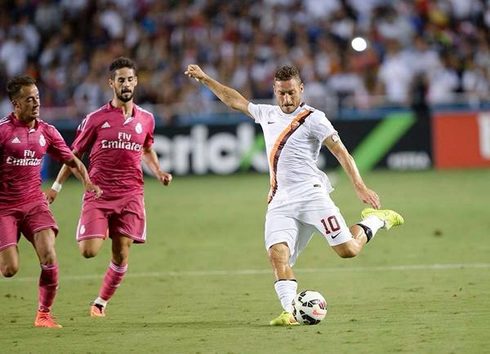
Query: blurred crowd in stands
[[419, 51]]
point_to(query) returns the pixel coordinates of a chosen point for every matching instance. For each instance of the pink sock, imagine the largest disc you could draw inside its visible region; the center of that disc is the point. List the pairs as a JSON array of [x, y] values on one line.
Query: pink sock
[[48, 286], [112, 280]]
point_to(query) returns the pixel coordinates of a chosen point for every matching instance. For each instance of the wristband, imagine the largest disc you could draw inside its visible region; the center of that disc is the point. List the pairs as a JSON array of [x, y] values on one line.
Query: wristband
[[56, 186]]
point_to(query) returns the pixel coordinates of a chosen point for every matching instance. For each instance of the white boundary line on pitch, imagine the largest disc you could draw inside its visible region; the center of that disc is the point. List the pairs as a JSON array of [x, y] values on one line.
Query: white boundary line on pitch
[[267, 271]]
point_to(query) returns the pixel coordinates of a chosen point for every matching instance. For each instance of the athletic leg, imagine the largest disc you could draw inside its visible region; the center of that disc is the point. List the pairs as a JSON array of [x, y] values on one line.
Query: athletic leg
[[354, 246], [365, 230], [9, 261], [285, 238], [285, 284], [43, 242], [89, 248], [9, 232], [93, 227], [114, 274], [279, 255]]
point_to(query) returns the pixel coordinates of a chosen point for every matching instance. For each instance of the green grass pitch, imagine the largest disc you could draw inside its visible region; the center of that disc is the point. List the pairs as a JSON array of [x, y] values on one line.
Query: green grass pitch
[[202, 283]]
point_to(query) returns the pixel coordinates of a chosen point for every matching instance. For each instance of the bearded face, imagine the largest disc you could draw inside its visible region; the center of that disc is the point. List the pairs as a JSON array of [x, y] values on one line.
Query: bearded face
[[123, 84]]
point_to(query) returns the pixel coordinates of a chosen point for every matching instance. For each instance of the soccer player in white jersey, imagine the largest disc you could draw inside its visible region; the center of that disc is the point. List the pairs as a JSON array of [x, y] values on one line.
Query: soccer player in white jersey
[[299, 200]]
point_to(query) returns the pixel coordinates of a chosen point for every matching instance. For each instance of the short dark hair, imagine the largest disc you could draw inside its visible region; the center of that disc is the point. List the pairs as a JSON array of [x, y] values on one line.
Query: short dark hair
[[119, 63], [15, 84], [287, 72]]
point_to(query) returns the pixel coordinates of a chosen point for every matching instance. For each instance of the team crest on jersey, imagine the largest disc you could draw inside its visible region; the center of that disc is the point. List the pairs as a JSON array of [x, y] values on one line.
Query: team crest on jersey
[[42, 141], [138, 128]]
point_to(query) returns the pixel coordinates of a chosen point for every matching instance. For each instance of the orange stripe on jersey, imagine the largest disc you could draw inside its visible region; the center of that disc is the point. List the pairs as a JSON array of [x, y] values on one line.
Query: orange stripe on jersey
[[279, 145]]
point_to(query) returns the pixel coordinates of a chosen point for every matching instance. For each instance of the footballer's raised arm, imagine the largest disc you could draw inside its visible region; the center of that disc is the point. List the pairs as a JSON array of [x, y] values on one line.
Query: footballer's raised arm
[[232, 98]]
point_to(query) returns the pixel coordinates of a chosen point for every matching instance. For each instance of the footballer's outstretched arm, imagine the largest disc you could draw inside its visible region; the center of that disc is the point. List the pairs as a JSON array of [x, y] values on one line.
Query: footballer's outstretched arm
[[66, 170], [337, 148], [150, 159], [76, 167], [232, 98]]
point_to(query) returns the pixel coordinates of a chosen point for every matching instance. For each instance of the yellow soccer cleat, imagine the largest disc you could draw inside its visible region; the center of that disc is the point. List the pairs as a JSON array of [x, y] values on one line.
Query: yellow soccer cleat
[[390, 218], [284, 319], [44, 319]]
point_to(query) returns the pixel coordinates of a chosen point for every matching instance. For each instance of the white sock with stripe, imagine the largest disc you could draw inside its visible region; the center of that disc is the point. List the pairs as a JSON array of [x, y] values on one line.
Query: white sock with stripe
[[100, 301], [286, 290], [373, 222], [371, 225]]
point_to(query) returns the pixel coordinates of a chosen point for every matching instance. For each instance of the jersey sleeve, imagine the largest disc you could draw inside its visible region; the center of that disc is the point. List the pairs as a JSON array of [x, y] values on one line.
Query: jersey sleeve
[[85, 136], [3, 135], [57, 147], [321, 126], [150, 135], [258, 111]]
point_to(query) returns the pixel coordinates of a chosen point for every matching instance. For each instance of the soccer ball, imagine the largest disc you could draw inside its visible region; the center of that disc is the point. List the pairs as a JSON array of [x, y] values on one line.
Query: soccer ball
[[309, 307]]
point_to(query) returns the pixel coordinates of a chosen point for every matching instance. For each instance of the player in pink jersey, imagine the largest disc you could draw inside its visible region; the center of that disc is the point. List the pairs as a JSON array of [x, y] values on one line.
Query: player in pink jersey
[[24, 140], [120, 134]]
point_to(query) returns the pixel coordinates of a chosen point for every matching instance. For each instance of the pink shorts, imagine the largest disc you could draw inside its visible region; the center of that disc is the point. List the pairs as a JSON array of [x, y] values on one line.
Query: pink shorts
[[26, 219], [125, 216]]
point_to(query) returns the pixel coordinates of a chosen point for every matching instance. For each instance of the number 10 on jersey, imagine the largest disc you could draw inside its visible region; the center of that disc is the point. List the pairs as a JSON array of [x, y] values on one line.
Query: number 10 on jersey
[[331, 224]]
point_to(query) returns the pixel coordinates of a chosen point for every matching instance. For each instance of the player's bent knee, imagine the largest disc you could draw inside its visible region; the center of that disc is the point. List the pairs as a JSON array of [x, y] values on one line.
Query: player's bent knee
[[347, 250], [48, 256], [120, 259], [90, 248], [88, 252], [278, 253], [9, 271], [348, 254]]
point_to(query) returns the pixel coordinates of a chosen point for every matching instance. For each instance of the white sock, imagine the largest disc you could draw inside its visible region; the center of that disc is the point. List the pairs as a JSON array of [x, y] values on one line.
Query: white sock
[[286, 291], [100, 301], [373, 222]]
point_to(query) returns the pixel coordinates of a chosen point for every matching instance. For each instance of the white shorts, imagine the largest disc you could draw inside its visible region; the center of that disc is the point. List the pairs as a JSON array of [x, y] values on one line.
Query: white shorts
[[295, 222]]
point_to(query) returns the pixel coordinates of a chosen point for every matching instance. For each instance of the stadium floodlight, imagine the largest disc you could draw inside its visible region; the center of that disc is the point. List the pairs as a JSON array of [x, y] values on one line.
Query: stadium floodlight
[[359, 44]]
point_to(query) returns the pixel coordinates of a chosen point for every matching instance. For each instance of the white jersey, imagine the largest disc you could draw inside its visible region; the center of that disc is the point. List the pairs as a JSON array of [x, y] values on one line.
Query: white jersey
[[293, 143]]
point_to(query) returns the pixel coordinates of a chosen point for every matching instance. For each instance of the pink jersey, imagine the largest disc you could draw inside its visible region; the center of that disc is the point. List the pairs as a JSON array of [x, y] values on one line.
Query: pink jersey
[[21, 151], [117, 144]]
